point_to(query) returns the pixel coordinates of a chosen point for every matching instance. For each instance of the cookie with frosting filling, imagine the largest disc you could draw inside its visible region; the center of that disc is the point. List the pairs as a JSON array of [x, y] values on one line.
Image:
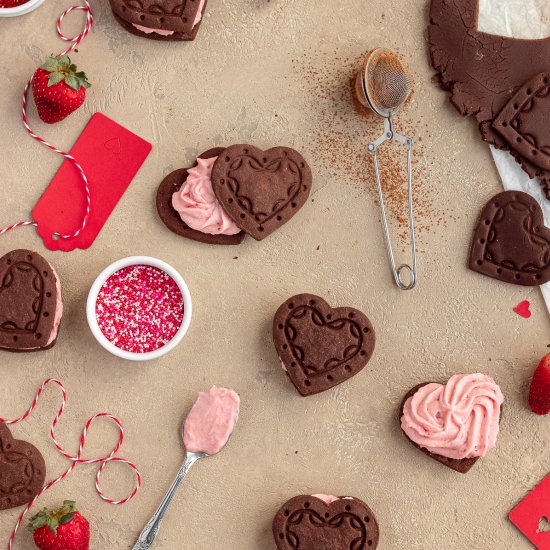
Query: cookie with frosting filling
[[176, 20], [325, 522], [456, 423], [188, 207], [235, 190], [30, 302]]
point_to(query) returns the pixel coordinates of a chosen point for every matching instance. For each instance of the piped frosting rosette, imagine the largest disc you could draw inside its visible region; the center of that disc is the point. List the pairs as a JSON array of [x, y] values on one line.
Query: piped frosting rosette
[[457, 420], [197, 204]]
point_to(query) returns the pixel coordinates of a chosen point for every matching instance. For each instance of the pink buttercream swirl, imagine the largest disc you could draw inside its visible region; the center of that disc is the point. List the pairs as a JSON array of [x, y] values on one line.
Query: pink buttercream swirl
[[197, 204], [457, 420]]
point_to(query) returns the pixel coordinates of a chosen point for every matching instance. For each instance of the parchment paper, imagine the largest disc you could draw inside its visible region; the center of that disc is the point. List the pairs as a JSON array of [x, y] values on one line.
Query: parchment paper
[[519, 19]]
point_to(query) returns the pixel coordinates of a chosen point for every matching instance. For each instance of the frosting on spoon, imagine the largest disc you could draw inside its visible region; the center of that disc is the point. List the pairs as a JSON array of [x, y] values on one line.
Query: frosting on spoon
[[211, 421]]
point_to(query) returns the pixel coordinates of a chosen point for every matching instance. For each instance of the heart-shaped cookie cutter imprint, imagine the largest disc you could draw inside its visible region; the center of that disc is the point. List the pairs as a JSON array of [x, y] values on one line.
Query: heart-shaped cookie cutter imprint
[[383, 85]]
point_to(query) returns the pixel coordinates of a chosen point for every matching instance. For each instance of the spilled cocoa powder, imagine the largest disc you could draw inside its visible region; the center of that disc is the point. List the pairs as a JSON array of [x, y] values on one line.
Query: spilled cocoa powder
[[340, 144]]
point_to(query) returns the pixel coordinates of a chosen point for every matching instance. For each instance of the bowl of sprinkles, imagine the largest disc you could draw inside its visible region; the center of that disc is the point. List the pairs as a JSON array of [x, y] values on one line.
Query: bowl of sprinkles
[[12, 8], [139, 308]]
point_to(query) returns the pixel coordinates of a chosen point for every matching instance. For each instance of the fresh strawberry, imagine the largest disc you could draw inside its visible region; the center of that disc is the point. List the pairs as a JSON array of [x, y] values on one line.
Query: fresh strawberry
[[61, 529], [539, 393], [58, 89]]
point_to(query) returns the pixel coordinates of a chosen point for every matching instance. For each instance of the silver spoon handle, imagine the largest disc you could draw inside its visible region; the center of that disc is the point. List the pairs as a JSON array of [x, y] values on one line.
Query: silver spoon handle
[[150, 531]]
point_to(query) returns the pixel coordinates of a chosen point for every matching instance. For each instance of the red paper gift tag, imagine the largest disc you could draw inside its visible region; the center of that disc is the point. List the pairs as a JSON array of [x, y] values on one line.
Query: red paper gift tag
[[532, 515], [111, 156]]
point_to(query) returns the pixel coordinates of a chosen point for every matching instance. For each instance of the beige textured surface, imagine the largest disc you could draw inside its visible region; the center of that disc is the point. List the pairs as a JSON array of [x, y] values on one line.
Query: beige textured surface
[[254, 74]]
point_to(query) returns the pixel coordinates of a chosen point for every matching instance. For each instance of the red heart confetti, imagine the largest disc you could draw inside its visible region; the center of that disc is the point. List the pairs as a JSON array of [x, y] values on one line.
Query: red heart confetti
[[523, 309], [530, 515]]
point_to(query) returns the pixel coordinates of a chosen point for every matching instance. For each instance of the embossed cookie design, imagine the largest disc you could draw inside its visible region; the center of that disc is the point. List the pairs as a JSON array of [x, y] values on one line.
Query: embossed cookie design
[[160, 19], [22, 470], [503, 82], [30, 302], [321, 347], [261, 190], [323, 522], [234, 191], [511, 242]]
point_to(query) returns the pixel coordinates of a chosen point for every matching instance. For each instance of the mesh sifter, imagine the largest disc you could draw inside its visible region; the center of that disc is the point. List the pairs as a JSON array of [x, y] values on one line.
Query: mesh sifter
[[383, 85]]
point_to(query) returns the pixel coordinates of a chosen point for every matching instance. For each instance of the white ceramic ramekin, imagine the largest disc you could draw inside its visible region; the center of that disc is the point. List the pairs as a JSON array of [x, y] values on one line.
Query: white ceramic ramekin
[[27, 7], [92, 299]]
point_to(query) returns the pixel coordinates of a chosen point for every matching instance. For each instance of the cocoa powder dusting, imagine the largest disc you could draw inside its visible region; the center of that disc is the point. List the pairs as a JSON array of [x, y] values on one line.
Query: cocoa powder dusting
[[340, 144]]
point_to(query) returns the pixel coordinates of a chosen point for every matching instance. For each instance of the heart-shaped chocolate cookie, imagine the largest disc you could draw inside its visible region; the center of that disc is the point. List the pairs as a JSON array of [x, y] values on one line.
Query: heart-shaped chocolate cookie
[[171, 218], [310, 523], [22, 470], [160, 19], [321, 347], [523, 116], [456, 419], [261, 190], [30, 302], [511, 242]]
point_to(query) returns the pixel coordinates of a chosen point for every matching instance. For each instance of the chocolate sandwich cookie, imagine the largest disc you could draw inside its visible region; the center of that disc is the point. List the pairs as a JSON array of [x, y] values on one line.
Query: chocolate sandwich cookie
[[323, 522], [160, 19], [511, 242], [503, 82], [261, 190], [443, 408], [320, 346], [234, 191], [22, 470], [171, 217], [30, 302]]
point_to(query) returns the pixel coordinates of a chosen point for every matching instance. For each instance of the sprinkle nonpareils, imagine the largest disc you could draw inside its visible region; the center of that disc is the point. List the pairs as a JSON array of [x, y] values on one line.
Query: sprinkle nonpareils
[[139, 308]]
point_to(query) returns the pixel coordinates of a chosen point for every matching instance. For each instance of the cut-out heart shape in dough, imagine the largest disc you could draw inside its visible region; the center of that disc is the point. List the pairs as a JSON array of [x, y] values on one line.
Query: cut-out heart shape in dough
[[22, 470], [498, 80], [519, 122], [511, 242], [310, 523], [261, 190], [30, 302], [321, 347]]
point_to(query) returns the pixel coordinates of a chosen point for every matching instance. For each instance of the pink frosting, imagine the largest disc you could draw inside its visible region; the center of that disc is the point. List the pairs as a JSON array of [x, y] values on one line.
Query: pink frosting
[[458, 420], [147, 30], [197, 204], [211, 421], [58, 310], [198, 17], [329, 499]]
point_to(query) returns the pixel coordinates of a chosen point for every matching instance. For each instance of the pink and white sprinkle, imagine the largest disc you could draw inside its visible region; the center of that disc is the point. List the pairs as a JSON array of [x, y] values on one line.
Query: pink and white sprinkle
[[139, 308]]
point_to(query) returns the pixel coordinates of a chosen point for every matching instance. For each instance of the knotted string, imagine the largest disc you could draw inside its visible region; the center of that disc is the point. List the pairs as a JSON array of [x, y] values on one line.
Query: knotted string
[[75, 460]]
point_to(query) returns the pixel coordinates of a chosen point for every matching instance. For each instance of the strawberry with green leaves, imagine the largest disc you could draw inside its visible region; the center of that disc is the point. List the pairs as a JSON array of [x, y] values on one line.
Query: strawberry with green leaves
[[58, 89], [61, 529]]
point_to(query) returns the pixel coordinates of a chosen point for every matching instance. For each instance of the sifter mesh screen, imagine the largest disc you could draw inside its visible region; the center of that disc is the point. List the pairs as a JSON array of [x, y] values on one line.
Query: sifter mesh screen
[[388, 81]]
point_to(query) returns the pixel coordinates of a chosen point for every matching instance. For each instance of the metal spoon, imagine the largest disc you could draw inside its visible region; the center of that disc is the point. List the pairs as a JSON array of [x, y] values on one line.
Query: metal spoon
[[150, 531]]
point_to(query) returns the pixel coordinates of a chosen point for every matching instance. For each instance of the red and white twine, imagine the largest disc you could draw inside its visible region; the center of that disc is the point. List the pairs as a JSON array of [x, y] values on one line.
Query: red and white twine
[[74, 42], [111, 457]]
